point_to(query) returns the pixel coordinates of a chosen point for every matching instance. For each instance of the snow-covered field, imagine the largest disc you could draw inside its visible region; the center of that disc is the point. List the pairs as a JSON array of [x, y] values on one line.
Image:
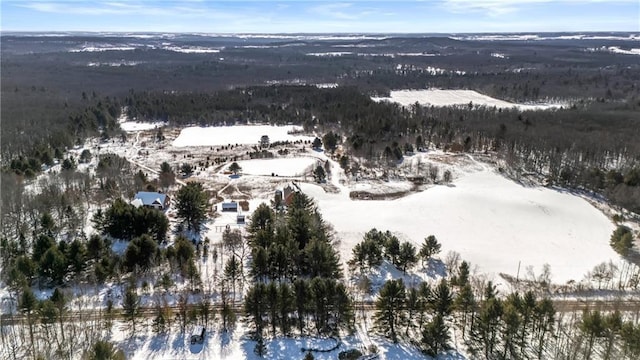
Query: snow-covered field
[[438, 97], [616, 50], [491, 221], [132, 126], [242, 134], [281, 167]]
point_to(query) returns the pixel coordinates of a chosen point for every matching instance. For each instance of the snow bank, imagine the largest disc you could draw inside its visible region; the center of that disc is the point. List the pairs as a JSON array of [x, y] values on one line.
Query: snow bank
[[437, 97], [491, 221], [240, 134]]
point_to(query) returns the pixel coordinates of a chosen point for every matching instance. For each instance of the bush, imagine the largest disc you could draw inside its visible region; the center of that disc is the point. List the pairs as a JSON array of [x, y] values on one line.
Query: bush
[[351, 354], [622, 240]]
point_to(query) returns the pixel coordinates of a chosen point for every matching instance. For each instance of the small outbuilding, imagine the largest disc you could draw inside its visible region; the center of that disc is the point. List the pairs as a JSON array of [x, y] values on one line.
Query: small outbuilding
[[240, 219], [264, 141], [231, 206]]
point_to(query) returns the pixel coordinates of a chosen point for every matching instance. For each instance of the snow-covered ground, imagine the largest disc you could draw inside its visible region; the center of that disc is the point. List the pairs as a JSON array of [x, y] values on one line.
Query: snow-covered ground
[[235, 345], [133, 126], [438, 97], [616, 50], [493, 222], [296, 166], [490, 220], [241, 134]]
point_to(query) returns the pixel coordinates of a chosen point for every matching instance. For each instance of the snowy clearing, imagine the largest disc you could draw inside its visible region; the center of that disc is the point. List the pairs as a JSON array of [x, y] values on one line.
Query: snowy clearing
[[132, 126], [616, 50], [240, 134], [280, 167], [491, 221], [438, 97]]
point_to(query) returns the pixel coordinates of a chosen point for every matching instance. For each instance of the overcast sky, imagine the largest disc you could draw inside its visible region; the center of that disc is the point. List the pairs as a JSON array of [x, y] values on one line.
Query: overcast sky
[[289, 16]]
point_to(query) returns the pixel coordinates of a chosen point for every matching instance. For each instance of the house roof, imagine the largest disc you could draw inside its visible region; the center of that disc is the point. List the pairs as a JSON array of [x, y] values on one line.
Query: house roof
[[150, 198], [232, 204]]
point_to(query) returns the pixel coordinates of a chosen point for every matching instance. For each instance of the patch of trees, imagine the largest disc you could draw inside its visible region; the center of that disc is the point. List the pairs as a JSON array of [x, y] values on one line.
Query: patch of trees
[[492, 327], [126, 221], [321, 306], [610, 333], [295, 267], [38, 125], [43, 258], [115, 176], [377, 246]]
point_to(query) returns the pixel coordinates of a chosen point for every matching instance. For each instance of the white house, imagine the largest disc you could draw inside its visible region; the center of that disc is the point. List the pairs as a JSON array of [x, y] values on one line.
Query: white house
[[151, 199]]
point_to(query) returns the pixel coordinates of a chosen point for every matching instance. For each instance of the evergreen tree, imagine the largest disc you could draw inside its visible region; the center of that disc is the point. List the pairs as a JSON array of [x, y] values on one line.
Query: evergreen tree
[[76, 256], [429, 248], [319, 174], [317, 143], [95, 247], [415, 305], [392, 248], [462, 278], [28, 304], [235, 168], [104, 350], [435, 336], [273, 309], [192, 205], [255, 306], [140, 252], [53, 265], [131, 306], [512, 322], [622, 240], [60, 302], [407, 256], [366, 255], [593, 326], [321, 260], [390, 308], [442, 299], [344, 313], [612, 330], [544, 318], [286, 300], [465, 303], [303, 297], [259, 264], [42, 244], [487, 326], [232, 273], [167, 178], [330, 141], [630, 336]]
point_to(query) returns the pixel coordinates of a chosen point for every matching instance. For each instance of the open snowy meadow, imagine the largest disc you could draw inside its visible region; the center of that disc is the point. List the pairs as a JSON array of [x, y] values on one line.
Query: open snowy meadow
[[239, 134], [491, 221], [438, 97], [296, 166]]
